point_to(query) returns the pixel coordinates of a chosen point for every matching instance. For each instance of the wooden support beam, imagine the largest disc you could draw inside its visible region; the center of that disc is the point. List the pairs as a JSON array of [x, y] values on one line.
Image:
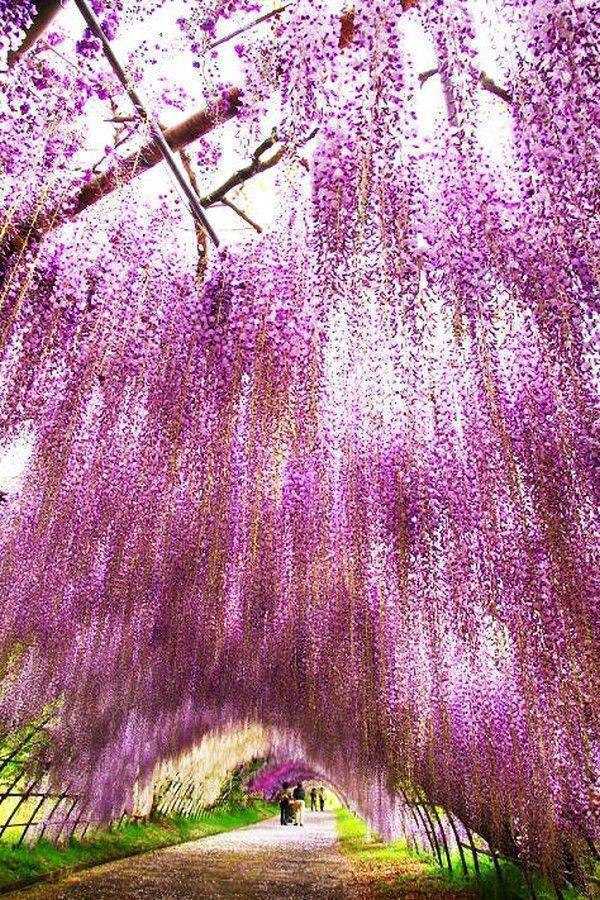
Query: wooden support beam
[[459, 843], [443, 833], [179, 136]]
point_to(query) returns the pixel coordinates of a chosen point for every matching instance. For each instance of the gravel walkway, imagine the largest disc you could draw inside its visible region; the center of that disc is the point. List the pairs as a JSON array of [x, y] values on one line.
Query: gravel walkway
[[261, 861]]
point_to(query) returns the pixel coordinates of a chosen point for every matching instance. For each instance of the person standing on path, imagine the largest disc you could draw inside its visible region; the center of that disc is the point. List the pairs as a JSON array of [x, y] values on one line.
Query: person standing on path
[[321, 799], [313, 799], [283, 798], [299, 803]]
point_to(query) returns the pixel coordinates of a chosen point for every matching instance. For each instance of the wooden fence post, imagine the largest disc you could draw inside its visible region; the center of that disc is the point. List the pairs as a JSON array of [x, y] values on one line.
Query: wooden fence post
[[24, 797], [473, 851], [42, 800], [461, 851], [445, 842]]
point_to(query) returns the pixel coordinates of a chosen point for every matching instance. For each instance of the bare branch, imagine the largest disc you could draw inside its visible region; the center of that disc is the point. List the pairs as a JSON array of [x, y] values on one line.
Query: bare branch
[[201, 241], [254, 168], [266, 144], [487, 83], [309, 136], [189, 169], [119, 141], [240, 177], [241, 214], [119, 120], [238, 31], [425, 76]]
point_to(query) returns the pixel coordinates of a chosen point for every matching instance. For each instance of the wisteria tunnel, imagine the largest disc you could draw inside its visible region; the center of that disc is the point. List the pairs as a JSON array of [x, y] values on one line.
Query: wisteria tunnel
[[297, 396]]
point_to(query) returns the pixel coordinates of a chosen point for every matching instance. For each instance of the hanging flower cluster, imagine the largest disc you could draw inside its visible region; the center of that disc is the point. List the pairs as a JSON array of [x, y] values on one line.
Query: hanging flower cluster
[[342, 486]]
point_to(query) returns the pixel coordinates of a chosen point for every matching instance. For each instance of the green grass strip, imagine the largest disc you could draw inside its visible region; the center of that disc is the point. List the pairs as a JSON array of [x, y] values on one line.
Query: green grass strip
[[22, 864], [394, 867]]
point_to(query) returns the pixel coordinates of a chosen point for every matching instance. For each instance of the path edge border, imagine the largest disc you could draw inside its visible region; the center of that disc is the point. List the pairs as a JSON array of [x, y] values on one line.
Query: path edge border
[[64, 872]]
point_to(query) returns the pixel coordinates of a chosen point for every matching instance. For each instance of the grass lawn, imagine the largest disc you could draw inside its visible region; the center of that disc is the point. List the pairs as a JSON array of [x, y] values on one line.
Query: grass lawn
[[392, 870], [22, 863]]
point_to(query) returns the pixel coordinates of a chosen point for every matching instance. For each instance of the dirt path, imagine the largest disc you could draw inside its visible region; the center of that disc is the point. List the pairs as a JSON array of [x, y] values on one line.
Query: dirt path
[[261, 861], [255, 863]]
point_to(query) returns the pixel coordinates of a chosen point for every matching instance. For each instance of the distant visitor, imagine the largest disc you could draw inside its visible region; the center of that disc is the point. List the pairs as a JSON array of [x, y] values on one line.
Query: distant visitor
[[299, 798], [292, 803], [284, 798]]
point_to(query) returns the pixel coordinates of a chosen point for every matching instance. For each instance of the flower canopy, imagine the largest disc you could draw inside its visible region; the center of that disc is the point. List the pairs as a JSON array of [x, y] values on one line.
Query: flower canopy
[[335, 477]]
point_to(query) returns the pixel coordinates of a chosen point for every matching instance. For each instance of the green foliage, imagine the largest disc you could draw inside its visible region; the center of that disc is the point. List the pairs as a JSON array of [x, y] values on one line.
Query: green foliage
[[352, 832], [233, 791], [22, 863], [513, 886], [22, 751]]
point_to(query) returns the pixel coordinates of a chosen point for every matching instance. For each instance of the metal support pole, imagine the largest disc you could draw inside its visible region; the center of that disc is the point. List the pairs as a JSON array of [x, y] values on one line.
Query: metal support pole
[[95, 26]]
